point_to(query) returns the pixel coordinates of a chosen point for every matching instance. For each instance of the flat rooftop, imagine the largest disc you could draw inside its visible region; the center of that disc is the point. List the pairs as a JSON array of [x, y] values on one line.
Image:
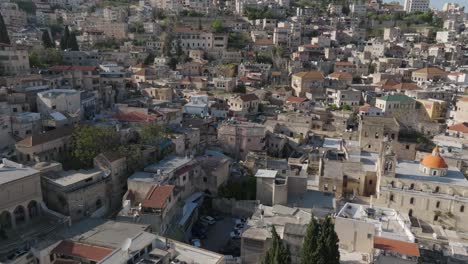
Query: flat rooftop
[[67, 178], [410, 170], [102, 232], [388, 222], [266, 174], [11, 171], [333, 143], [168, 165]]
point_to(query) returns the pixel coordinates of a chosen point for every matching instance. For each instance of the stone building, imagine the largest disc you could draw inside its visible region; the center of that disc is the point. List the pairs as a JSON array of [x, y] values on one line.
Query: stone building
[[308, 82], [14, 60], [46, 146], [429, 190], [78, 194], [428, 74], [115, 167], [20, 194], [238, 139]]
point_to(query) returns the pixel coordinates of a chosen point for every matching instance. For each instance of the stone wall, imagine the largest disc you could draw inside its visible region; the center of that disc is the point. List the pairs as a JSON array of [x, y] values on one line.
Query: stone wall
[[243, 208]]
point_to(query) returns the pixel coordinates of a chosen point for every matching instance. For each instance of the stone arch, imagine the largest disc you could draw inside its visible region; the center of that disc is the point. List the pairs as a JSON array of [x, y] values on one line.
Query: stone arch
[[33, 209], [5, 220], [98, 203], [19, 215]]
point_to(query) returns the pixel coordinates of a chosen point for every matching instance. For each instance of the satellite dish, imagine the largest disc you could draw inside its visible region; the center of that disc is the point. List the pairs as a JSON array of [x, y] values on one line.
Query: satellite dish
[[126, 245]]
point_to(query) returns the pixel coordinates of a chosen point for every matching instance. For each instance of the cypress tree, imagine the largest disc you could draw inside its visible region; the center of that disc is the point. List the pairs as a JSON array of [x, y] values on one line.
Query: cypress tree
[[64, 41], [332, 253], [278, 253], [46, 41], [309, 246], [72, 43], [4, 38]]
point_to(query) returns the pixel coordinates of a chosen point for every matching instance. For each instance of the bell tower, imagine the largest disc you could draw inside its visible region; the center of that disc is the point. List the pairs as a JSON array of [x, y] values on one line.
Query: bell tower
[[387, 160]]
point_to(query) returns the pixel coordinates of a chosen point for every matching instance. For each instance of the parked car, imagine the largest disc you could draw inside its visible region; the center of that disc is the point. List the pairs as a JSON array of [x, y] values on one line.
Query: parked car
[[239, 226], [16, 254], [196, 242], [240, 220], [235, 234], [208, 219]]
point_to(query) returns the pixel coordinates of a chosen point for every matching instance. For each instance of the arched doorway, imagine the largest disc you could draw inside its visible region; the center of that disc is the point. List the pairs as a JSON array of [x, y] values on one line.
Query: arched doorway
[[5, 220], [98, 204], [33, 209], [20, 215], [410, 213]]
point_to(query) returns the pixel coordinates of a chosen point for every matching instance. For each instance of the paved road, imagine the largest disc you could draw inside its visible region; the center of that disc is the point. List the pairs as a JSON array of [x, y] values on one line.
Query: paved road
[[218, 234]]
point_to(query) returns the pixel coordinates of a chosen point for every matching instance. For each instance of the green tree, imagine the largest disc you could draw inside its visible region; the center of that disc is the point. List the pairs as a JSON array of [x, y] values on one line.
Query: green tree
[[4, 38], [65, 39], [45, 57], [149, 59], [217, 26], [240, 88], [88, 141], [172, 63], [46, 41], [309, 246], [153, 134], [320, 244], [167, 45], [278, 253], [327, 251], [134, 156], [73, 44]]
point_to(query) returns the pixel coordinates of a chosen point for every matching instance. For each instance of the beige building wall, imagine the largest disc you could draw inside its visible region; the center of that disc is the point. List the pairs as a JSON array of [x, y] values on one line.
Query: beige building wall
[[355, 235]]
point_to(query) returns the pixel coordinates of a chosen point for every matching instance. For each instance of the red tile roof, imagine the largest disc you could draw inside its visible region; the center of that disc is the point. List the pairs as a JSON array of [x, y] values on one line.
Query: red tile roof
[[344, 63], [157, 196], [405, 86], [341, 75], [135, 117], [248, 97], [460, 127], [365, 107], [397, 246], [85, 251], [294, 99], [45, 137]]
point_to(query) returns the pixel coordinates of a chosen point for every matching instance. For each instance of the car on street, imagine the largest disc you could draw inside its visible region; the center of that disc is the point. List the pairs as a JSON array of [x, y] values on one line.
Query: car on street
[[235, 234], [208, 219], [196, 242]]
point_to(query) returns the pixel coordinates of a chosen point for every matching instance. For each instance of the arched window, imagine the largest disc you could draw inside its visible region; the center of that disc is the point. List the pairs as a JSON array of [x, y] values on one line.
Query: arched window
[[20, 215], [438, 204], [437, 189], [436, 217], [462, 209], [392, 198], [410, 213], [411, 201], [412, 186]]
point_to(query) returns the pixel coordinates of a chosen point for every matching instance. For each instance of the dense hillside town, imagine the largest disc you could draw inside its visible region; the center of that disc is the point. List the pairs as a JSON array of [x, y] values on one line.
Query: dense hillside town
[[233, 132]]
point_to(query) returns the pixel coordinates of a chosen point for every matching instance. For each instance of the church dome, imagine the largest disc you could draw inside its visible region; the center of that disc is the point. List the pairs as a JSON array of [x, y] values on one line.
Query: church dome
[[434, 160]]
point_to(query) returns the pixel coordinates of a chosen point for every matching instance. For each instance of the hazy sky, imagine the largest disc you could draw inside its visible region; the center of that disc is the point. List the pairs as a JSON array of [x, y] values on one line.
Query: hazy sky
[[439, 3]]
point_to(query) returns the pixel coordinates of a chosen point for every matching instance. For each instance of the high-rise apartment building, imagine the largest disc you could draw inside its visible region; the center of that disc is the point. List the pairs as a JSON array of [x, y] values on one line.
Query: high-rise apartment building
[[416, 5]]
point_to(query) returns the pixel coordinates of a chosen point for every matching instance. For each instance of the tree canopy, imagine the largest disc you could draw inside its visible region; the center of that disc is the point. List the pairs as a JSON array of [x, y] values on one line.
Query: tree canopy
[[68, 40], [4, 38], [46, 41], [88, 141], [278, 253], [320, 244]]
